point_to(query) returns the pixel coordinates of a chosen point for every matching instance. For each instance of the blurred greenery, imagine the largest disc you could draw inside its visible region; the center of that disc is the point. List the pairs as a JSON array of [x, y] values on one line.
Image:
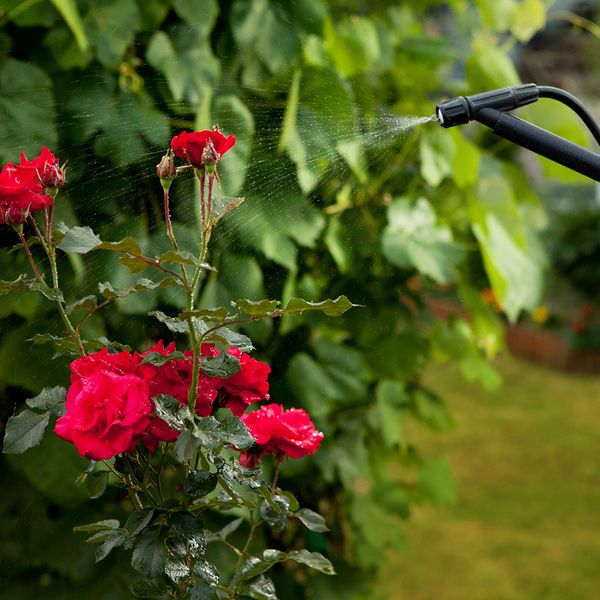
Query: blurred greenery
[[343, 195]]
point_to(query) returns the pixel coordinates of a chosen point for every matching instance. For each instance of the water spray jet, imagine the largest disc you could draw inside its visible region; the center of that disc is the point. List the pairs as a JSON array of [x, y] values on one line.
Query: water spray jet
[[491, 109]]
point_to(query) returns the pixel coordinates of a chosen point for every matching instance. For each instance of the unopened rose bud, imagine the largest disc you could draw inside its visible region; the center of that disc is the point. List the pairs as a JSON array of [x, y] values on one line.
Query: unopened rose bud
[[210, 157], [52, 175], [166, 169]]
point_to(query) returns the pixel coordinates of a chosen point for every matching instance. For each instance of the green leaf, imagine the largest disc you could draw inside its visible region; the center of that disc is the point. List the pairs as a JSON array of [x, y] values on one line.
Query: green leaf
[[391, 403], [127, 244], [173, 323], [27, 110], [201, 14], [115, 539], [223, 365], [186, 446], [158, 360], [21, 283], [258, 308], [529, 17], [96, 483], [70, 13], [437, 151], [489, 68], [260, 588], [48, 399], [141, 285], [149, 589], [138, 521], [201, 591], [465, 164], [332, 308], [24, 431], [177, 569], [412, 238], [255, 565], [185, 58], [53, 294], [87, 304], [229, 337], [79, 240], [235, 432], [314, 560], [261, 30], [353, 44], [111, 26], [105, 525], [149, 552], [207, 572], [311, 520], [437, 482], [199, 483]]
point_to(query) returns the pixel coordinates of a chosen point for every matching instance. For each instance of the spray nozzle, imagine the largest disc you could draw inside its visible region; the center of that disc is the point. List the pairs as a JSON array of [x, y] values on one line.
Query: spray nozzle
[[461, 110], [492, 109]]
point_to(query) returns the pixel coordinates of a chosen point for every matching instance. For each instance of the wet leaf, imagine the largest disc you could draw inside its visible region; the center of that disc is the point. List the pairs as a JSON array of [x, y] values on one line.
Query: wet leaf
[[115, 539], [207, 572], [149, 552], [48, 398], [311, 520], [173, 323], [314, 560], [158, 360], [79, 240], [332, 308], [199, 483], [260, 588], [24, 431], [223, 365], [260, 308]]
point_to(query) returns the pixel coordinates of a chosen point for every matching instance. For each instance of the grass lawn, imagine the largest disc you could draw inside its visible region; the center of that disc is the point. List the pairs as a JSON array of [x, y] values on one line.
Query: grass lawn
[[527, 521]]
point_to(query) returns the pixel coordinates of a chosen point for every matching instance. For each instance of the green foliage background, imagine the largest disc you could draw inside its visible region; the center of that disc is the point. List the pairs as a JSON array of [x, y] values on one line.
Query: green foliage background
[[341, 197]]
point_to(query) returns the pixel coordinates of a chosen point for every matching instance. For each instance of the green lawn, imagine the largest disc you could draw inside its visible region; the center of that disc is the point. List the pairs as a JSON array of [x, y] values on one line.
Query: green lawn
[[527, 521]]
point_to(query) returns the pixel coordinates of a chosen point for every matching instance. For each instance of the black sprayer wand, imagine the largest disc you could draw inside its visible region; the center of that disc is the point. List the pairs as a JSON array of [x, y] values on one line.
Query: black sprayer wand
[[490, 108]]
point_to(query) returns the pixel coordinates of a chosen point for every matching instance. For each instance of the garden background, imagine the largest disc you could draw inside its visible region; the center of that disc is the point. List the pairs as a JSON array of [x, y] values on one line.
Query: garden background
[[343, 196]]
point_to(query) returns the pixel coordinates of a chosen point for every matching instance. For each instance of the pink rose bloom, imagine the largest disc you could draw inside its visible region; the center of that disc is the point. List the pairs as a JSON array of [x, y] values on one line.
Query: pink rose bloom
[[105, 412], [280, 432]]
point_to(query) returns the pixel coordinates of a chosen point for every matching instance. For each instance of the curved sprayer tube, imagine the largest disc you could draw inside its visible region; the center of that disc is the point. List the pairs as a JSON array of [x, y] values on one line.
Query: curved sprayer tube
[[490, 109]]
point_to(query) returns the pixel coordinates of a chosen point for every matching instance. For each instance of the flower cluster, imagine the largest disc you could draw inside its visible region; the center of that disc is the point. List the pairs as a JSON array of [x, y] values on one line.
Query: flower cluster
[[109, 403], [23, 186]]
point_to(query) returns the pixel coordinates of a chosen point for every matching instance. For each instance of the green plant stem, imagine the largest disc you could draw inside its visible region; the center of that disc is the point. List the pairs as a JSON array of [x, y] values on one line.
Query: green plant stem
[[36, 271], [278, 459], [168, 222]]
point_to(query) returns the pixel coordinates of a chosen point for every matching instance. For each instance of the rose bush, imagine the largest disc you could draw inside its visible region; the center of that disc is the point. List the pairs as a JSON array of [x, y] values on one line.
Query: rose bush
[[142, 414]]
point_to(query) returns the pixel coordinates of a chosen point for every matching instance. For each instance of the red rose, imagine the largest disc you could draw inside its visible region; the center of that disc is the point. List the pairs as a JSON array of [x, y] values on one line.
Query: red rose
[[278, 431], [20, 192], [105, 412], [202, 147], [250, 384], [47, 168]]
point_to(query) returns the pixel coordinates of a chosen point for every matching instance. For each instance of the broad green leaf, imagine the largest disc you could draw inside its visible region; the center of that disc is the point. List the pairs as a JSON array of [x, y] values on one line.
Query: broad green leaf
[[529, 17], [48, 399], [497, 14], [27, 110], [236, 433], [127, 244], [138, 521], [149, 589], [186, 446], [206, 314], [255, 565], [24, 431], [199, 483], [201, 14], [79, 240], [353, 44], [437, 151], [314, 560], [21, 283], [391, 403], [260, 29], [53, 294], [206, 572], [70, 13], [412, 238], [111, 27], [489, 68], [311, 520], [177, 569], [201, 591], [149, 553], [185, 58], [87, 304], [465, 164]]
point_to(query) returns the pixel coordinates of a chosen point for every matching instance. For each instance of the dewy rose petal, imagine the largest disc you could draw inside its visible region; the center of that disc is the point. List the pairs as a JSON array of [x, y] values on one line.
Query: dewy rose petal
[[199, 146]]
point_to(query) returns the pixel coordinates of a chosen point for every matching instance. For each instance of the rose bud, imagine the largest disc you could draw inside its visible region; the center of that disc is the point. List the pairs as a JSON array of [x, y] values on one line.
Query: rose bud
[[210, 157], [52, 175], [166, 169]]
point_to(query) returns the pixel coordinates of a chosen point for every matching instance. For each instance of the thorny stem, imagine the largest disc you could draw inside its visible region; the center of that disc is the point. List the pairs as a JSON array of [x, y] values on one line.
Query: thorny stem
[[278, 459], [168, 219]]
